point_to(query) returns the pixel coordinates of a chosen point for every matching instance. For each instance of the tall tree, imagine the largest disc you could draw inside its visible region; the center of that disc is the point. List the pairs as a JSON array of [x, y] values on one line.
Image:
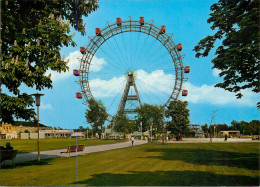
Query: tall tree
[[179, 114], [124, 125], [150, 115], [33, 33], [96, 115], [237, 26], [254, 126], [205, 130]]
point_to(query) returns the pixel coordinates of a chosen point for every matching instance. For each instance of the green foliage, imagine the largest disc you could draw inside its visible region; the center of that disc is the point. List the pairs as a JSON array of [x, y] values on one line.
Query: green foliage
[[26, 131], [254, 126], [246, 128], [205, 130], [96, 115], [124, 125], [150, 115], [33, 33], [237, 27], [179, 114]]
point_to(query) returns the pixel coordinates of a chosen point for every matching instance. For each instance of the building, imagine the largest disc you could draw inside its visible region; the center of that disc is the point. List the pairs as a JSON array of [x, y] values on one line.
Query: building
[[56, 133], [230, 134], [196, 128], [7, 131]]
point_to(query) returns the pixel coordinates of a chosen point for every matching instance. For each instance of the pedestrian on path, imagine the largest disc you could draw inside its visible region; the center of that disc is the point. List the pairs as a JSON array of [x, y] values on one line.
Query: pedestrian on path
[[132, 139]]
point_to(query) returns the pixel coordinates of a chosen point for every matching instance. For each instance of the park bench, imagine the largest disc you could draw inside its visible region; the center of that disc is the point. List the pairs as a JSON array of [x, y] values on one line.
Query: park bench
[[80, 148], [74, 148], [8, 155]]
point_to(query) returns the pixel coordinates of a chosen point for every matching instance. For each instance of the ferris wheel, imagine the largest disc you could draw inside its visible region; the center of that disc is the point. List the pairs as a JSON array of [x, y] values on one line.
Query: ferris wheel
[[129, 63]]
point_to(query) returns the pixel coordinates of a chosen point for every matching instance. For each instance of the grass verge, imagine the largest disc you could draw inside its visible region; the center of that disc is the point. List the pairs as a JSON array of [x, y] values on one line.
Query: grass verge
[[149, 164], [29, 145]]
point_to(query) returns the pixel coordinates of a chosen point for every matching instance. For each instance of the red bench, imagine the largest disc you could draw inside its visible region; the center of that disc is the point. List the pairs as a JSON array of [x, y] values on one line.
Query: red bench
[[74, 148]]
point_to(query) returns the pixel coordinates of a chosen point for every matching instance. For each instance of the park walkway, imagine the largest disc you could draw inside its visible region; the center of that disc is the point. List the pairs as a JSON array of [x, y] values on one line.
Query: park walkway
[[24, 157]]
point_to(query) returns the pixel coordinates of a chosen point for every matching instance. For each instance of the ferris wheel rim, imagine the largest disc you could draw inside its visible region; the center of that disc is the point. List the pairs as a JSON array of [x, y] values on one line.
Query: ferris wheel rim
[[112, 30]]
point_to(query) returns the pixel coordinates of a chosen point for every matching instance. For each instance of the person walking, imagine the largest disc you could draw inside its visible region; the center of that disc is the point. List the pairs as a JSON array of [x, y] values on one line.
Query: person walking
[[132, 139]]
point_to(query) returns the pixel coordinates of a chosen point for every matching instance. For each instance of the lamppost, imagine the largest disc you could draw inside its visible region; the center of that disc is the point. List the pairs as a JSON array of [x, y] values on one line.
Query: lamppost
[[141, 131], [214, 131], [151, 129], [38, 103]]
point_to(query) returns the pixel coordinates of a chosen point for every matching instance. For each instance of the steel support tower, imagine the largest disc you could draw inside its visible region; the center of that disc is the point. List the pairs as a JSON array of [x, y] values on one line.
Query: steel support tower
[[126, 97]]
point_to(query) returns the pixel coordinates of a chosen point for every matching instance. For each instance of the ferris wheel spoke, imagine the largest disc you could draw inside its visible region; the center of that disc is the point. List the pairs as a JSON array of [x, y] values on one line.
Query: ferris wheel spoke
[[149, 48], [119, 50], [161, 65], [136, 46], [114, 52], [125, 48], [113, 62], [151, 93], [118, 95], [144, 42], [151, 87]]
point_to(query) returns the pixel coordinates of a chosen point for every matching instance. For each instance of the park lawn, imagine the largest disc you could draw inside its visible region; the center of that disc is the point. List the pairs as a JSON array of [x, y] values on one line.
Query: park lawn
[[197, 164], [30, 145]]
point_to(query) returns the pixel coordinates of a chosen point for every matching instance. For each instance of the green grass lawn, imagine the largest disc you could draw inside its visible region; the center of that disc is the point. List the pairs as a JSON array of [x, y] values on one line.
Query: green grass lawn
[[29, 145], [149, 164]]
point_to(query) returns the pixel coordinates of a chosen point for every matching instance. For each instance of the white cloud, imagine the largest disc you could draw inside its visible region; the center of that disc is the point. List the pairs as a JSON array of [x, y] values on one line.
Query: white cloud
[[97, 65], [216, 72], [218, 96], [45, 106], [106, 88], [157, 82]]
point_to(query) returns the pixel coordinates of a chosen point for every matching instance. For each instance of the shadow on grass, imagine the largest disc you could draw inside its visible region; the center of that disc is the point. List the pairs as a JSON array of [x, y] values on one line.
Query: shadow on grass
[[168, 178], [208, 157], [28, 163]]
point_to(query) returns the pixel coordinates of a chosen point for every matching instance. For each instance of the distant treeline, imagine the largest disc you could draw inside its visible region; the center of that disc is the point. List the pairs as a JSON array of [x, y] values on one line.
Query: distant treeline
[[28, 124], [245, 128]]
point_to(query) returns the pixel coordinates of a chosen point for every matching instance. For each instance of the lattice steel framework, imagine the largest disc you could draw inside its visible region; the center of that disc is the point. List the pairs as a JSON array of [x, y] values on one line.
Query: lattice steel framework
[[130, 26]]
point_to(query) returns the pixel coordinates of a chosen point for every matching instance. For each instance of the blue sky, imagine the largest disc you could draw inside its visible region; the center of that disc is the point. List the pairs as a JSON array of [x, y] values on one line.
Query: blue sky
[[186, 19]]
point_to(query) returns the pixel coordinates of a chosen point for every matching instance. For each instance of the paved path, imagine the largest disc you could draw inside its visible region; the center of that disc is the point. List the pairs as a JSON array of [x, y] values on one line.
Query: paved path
[[214, 140], [24, 157]]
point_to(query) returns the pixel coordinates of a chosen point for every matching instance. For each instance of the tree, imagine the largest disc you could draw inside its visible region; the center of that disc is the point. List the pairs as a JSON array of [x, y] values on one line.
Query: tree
[[179, 114], [150, 115], [244, 128], [81, 129], [205, 129], [222, 127], [124, 125], [234, 125], [96, 115], [237, 27], [88, 132], [213, 115], [26, 131], [33, 33], [254, 127]]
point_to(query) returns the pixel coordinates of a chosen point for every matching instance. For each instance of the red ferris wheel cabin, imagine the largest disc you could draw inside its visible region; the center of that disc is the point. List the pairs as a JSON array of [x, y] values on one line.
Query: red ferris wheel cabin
[[187, 69], [179, 46], [83, 50], [98, 31], [163, 29], [76, 72], [78, 95], [184, 92], [118, 21], [141, 20]]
